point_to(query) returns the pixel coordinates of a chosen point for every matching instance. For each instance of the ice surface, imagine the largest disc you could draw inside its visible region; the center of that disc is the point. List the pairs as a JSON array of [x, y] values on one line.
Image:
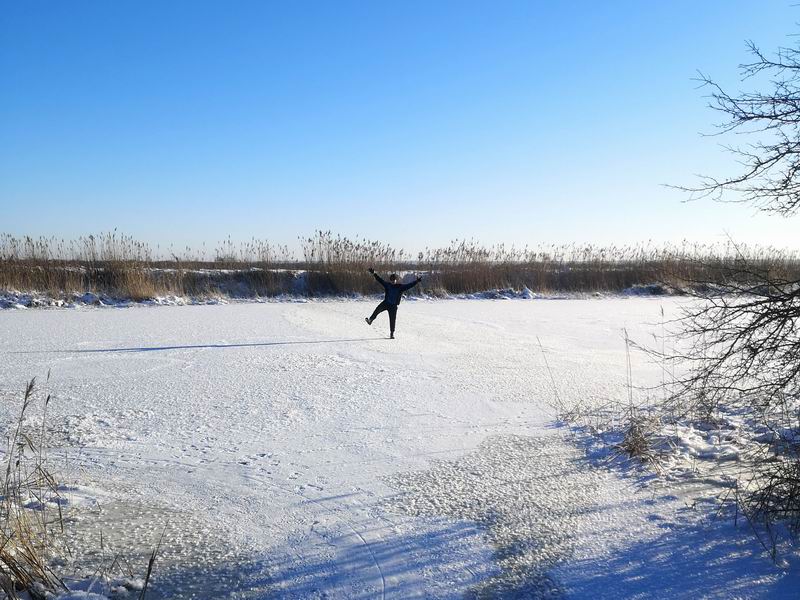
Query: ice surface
[[290, 450]]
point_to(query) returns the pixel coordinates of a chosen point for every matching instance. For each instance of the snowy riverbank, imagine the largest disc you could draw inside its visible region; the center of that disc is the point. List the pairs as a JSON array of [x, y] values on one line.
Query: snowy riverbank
[[13, 299]]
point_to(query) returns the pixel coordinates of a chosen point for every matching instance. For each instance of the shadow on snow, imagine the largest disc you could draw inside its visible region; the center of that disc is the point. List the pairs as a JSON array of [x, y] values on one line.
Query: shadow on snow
[[196, 346]]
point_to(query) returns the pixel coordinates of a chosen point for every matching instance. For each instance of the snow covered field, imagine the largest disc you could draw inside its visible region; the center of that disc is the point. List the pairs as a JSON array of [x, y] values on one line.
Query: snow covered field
[[292, 451]]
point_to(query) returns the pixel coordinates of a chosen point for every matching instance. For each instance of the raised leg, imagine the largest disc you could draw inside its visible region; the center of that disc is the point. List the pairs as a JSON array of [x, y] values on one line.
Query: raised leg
[[378, 310]]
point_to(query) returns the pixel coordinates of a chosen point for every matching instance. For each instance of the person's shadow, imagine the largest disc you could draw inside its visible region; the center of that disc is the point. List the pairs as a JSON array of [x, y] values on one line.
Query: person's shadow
[[197, 346]]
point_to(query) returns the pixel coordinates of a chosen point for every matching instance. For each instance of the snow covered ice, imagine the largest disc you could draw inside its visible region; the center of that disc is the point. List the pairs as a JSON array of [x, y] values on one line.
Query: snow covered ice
[[289, 450]]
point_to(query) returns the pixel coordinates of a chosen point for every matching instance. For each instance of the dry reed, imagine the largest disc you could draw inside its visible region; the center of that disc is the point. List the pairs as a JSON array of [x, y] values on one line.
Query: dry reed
[[121, 267], [31, 520]]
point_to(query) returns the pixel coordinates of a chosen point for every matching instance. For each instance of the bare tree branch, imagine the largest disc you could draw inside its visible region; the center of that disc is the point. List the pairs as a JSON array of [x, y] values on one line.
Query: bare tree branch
[[768, 178]]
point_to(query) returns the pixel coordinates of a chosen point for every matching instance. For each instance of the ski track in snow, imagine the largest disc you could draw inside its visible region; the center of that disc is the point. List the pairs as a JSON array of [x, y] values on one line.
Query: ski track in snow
[[294, 452]]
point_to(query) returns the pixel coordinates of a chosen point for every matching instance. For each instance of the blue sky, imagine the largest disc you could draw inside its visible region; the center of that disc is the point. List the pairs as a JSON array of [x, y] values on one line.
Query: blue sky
[[410, 122]]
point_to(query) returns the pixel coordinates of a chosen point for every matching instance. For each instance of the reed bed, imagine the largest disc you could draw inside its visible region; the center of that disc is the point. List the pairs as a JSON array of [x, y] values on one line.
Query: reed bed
[[121, 267]]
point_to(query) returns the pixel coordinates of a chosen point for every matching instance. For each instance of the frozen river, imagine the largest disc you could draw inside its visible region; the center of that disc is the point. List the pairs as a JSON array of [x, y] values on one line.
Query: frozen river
[[292, 451]]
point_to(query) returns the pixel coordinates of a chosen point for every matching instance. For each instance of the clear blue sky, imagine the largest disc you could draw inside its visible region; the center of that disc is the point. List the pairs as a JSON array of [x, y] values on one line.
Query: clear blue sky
[[410, 122]]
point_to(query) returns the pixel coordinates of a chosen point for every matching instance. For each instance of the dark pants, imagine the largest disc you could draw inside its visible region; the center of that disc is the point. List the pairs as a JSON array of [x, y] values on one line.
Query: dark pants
[[390, 308]]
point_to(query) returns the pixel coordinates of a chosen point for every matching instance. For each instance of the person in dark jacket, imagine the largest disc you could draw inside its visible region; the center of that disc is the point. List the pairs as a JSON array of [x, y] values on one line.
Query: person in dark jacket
[[393, 294]]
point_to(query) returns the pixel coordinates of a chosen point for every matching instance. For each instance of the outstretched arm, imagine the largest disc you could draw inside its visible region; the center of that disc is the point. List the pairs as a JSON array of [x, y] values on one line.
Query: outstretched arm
[[376, 276], [408, 286]]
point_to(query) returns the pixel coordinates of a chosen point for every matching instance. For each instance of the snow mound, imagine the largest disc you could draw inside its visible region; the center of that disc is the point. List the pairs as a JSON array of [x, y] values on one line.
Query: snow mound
[[688, 441], [113, 589], [502, 294], [651, 289]]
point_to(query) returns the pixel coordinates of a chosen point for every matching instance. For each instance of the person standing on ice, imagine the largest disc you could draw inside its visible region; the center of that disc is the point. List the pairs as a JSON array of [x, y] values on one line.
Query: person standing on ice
[[393, 294]]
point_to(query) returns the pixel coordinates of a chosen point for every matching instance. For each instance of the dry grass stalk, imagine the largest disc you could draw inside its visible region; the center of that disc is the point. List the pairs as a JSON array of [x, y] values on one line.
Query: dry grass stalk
[[639, 440], [29, 528]]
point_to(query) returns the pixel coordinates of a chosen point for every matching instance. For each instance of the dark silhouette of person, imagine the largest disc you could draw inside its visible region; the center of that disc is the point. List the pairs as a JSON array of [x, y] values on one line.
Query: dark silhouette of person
[[393, 295]]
